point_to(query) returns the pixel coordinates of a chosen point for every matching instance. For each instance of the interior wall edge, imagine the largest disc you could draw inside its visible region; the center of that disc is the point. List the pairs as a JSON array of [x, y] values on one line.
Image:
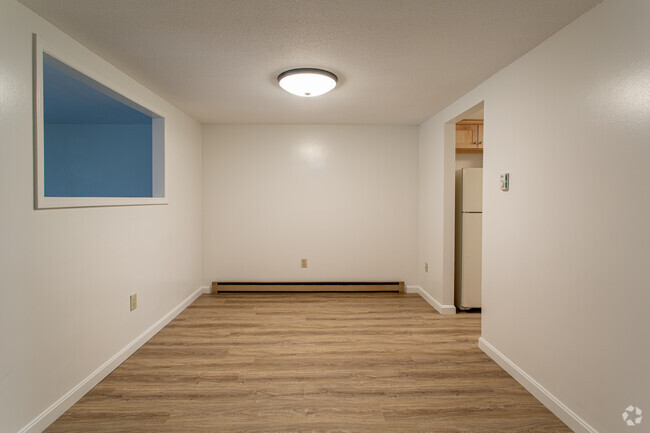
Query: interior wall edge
[[440, 308], [70, 273], [58, 408], [545, 397], [591, 362]]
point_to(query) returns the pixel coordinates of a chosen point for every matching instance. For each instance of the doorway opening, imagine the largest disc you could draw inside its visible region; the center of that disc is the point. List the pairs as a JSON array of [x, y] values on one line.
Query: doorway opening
[[464, 146]]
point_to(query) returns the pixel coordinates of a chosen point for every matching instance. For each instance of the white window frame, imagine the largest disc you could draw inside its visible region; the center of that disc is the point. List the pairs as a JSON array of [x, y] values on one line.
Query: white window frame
[[83, 74]]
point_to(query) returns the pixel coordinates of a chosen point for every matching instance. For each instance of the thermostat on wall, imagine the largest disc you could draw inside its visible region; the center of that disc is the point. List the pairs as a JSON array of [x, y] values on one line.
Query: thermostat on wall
[[504, 181]]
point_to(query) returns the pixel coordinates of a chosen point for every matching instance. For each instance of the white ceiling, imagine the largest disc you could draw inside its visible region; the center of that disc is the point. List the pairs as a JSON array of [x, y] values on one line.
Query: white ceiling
[[398, 61]]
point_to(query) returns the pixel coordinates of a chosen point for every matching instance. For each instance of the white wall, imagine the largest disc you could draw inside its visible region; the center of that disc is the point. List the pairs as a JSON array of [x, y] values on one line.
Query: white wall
[[431, 175], [66, 274], [468, 160], [344, 197], [565, 252]]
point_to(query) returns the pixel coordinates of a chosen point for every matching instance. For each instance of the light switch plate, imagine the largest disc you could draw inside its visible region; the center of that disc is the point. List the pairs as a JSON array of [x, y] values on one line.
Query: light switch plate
[[504, 181]]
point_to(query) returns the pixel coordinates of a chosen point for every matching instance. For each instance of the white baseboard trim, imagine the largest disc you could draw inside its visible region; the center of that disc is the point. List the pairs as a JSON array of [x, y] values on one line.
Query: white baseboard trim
[[207, 290], [440, 308], [553, 404], [411, 289], [49, 415]]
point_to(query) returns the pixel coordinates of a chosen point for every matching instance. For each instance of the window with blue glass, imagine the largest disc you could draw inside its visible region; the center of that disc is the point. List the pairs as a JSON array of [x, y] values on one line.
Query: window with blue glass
[[96, 142]]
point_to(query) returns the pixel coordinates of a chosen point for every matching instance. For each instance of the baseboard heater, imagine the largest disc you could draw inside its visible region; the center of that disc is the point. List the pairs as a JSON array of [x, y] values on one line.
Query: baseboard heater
[[383, 286]]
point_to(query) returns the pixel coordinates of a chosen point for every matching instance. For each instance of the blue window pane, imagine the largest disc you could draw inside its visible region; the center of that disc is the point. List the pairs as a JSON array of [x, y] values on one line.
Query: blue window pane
[[94, 145]]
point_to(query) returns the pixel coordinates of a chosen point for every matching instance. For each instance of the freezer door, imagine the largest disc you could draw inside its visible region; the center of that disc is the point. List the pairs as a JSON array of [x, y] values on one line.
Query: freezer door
[[472, 189], [471, 256]]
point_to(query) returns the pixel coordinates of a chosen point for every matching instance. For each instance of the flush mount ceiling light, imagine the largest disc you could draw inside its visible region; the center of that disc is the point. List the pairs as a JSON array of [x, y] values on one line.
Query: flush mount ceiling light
[[307, 82]]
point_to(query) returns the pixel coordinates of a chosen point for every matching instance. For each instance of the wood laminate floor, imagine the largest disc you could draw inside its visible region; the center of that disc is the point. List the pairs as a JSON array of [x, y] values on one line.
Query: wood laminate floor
[[311, 362]]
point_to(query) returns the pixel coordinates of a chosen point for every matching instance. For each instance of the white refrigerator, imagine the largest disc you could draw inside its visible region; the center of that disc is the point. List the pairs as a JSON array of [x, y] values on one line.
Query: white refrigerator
[[469, 218]]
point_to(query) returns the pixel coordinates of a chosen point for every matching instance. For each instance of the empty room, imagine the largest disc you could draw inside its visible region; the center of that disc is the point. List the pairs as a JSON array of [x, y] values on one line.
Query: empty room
[[324, 216]]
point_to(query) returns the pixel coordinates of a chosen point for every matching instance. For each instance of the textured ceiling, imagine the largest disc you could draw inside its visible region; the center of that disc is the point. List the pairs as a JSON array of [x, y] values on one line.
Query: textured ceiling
[[398, 61]]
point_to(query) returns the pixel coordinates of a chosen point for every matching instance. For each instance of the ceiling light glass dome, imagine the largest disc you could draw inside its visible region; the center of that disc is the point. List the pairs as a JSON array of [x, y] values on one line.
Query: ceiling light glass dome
[[307, 82]]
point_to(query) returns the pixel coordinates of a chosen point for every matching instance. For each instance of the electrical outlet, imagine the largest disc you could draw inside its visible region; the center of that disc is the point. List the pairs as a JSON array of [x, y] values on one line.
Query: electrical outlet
[[134, 301], [426, 267], [303, 263]]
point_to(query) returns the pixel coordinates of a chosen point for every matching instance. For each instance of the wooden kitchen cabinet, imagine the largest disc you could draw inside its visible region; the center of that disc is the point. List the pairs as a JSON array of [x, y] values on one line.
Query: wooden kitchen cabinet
[[469, 136]]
